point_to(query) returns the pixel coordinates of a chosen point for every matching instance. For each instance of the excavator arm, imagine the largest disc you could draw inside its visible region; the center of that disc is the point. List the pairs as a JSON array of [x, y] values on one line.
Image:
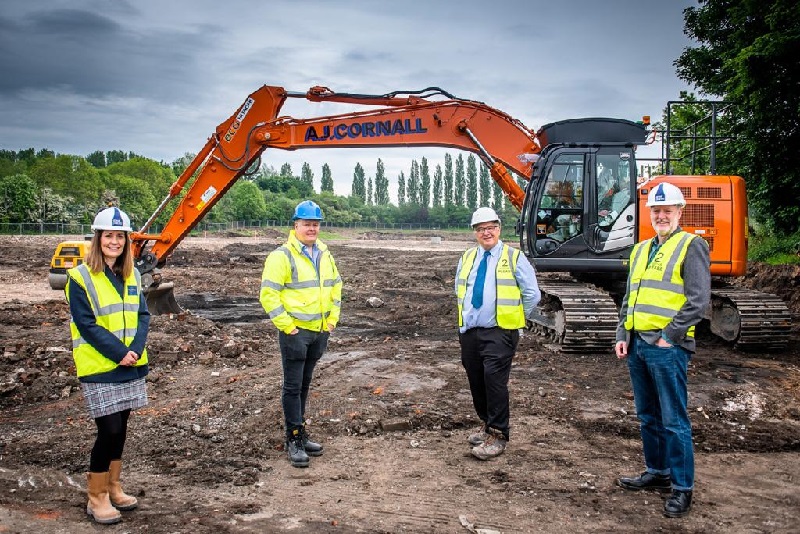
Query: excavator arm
[[393, 120]]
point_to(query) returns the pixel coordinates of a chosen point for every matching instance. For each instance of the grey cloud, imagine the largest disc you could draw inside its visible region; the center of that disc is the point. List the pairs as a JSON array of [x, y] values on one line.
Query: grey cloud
[[92, 55]]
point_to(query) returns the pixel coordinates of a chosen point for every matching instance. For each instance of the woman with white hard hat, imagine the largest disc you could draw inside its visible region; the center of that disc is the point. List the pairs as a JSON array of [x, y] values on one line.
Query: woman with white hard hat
[[109, 324]]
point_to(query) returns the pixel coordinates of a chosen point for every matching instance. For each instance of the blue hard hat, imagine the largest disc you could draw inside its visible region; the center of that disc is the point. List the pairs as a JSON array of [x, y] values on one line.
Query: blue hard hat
[[308, 210]]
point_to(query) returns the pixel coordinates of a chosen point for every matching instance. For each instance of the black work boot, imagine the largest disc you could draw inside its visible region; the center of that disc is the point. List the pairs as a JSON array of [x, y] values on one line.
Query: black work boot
[[646, 481], [678, 504], [295, 451], [312, 448]]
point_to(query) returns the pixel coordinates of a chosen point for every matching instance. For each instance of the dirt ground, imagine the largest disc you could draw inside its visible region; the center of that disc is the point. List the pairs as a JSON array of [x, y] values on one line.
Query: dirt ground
[[391, 404]]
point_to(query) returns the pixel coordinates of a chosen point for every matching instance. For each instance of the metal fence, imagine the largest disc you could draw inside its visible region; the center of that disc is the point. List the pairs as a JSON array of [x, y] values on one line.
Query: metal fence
[[35, 228]]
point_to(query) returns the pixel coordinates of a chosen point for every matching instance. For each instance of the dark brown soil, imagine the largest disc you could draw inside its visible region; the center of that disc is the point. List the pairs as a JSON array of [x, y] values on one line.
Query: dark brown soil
[[391, 404]]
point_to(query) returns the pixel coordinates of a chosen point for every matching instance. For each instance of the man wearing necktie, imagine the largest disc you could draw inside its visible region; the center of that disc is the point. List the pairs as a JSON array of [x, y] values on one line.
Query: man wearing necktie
[[301, 291], [496, 290]]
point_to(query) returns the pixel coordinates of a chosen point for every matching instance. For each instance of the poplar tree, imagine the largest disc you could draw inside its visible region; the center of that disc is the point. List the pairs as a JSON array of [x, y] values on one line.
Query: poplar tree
[[326, 182], [307, 175], [401, 189], [485, 181], [424, 184], [449, 196], [358, 189], [381, 185], [460, 182], [412, 186], [472, 183], [437, 187]]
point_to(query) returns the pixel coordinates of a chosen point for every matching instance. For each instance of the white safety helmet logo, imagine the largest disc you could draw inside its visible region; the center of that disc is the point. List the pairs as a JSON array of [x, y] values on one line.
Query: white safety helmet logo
[[483, 215], [665, 194], [112, 219]]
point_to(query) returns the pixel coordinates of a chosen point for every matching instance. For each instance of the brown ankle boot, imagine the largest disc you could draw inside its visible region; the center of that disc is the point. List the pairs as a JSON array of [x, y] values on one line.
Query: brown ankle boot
[[99, 505], [119, 498]]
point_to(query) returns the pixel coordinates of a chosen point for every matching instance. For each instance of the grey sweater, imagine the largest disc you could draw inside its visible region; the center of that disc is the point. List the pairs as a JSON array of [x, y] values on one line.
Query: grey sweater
[[696, 273]]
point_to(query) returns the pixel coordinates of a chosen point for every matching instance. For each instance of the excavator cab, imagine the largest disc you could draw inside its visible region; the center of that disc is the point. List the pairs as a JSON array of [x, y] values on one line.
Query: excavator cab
[[579, 204]]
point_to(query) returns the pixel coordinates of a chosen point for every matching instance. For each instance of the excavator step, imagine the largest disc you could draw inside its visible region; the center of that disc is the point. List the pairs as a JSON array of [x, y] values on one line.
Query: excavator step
[[576, 317], [752, 320]]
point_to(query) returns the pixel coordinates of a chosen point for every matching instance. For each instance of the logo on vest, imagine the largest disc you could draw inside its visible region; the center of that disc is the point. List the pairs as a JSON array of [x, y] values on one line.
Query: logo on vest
[[133, 290]]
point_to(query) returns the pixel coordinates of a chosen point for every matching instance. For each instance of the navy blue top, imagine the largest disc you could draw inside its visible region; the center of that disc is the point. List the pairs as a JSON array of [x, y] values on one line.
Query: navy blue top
[[104, 341]]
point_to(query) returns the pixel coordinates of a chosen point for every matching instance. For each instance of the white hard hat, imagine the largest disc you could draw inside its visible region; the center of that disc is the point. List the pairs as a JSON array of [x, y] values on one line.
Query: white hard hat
[[665, 194], [112, 219], [483, 215]]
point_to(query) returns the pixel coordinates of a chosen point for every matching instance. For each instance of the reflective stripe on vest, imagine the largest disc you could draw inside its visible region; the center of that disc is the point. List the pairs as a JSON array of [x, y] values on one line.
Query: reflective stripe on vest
[[118, 315], [307, 295], [656, 290], [509, 311]]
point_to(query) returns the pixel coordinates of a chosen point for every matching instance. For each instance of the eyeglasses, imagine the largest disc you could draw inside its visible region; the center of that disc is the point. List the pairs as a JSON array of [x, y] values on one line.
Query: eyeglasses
[[484, 229]]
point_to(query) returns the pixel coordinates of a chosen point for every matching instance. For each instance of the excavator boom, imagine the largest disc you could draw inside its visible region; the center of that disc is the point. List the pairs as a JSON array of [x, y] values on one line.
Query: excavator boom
[[397, 119]]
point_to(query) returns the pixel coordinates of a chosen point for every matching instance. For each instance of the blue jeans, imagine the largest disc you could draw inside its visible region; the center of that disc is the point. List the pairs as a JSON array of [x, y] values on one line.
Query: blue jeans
[[299, 355], [658, 376]]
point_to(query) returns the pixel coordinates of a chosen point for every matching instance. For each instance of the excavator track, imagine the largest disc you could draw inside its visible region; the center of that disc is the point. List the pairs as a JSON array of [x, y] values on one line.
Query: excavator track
[[576, 317], [750, 319]]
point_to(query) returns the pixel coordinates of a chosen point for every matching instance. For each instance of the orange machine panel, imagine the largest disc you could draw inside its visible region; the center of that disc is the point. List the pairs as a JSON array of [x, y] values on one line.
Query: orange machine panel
[[716, 210]]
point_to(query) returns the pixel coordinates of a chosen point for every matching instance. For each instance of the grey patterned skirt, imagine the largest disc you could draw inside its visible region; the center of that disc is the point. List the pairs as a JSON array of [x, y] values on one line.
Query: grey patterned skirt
[[104, 398]]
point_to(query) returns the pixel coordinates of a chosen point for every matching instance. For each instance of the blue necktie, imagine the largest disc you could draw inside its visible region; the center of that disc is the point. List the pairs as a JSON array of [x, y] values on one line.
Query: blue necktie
[[480, 278]]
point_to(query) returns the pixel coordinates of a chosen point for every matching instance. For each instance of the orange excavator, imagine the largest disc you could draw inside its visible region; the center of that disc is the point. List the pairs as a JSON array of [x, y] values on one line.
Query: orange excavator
[[580, 213]]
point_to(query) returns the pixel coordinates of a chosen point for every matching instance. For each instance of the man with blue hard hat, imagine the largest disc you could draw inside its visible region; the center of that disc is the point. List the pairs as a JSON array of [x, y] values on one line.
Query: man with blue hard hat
[[301, 291]]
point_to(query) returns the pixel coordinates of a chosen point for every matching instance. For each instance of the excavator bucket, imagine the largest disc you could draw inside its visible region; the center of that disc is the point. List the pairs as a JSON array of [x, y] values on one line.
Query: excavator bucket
[[161, 299]]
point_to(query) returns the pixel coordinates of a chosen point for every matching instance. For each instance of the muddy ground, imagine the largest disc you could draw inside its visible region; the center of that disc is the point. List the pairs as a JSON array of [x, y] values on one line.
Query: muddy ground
[[391, 404]]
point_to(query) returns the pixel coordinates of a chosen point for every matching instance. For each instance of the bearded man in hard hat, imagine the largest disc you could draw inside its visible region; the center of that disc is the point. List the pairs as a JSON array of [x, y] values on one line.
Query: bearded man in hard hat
[[669, 289], [301, 291], [496, 290], [109, 323]]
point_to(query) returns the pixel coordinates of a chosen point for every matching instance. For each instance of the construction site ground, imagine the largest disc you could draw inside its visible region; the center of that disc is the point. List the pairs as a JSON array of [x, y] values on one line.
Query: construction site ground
[[390, 403]]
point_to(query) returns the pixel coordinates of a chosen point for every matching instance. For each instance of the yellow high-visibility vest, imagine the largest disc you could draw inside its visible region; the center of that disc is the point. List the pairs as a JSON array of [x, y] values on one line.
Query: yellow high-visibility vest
[[292, 292], [509, 311], [656, 290], [118, 315]]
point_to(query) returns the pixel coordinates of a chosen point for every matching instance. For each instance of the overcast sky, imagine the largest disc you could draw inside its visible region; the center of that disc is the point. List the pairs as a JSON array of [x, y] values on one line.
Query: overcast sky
[[157, 76]]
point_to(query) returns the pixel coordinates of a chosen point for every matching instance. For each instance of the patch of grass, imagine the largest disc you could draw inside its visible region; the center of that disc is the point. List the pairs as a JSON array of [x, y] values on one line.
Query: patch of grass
[[326, 235], [775, 250]]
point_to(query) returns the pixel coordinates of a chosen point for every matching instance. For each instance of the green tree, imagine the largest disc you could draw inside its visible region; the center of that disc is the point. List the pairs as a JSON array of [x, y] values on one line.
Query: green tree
[[69, 177], [412, 185], [460, 182], [359, 187], [401, 189], [485, 185], [326, 182], [97, 159], [116, 156], [472, 183], [246, 202], [17, 198], [497, 197], [748, 56], [449, 197], [307, 175], [424, 184], [286, 170], [437, 187], [369, 191], [381, 185]]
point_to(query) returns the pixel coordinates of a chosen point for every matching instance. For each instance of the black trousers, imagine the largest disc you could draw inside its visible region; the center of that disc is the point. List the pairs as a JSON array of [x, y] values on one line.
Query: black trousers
[[486, 355]]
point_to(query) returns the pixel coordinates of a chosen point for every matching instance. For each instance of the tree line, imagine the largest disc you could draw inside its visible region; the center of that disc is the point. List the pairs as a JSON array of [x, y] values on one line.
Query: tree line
[[45, 187]]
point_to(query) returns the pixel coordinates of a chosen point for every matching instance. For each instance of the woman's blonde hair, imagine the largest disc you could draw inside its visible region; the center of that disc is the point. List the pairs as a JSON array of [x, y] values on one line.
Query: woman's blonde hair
[[96, 262]]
